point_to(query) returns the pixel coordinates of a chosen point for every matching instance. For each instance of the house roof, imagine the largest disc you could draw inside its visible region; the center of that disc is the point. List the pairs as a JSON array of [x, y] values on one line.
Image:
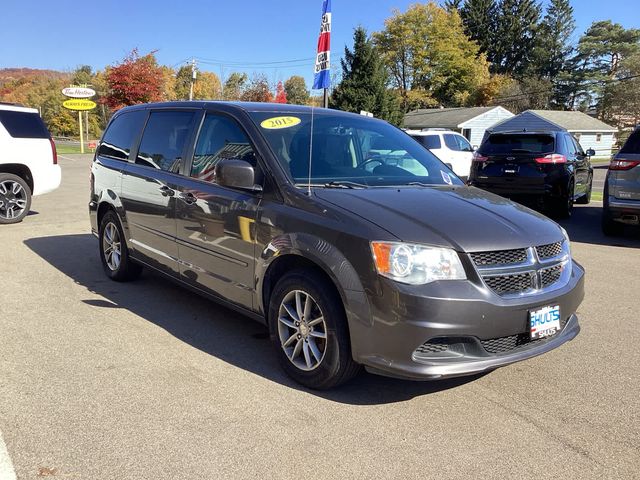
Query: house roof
[[442, 117], [574, 121]]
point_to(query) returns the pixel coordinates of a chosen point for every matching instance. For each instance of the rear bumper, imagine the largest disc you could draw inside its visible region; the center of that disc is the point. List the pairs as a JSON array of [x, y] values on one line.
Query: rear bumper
[[625, 211], [46, 180], [466, 318]]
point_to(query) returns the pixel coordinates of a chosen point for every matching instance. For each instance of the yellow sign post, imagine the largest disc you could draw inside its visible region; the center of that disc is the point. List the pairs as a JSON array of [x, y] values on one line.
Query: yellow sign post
[[79, 104]]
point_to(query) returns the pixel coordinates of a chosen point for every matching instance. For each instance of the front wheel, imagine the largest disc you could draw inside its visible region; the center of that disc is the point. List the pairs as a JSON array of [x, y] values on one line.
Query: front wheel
[[116, 262], [309, 331], [15, 198]]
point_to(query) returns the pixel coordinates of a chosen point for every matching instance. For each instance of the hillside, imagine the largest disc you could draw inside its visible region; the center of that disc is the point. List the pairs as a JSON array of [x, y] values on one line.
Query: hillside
[[8, 75]]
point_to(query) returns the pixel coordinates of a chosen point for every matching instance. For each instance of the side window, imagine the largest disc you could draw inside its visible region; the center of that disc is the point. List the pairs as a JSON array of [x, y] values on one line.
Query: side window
[[163, 140], [569, 145], [465, 146], [220, 137], [451, 141], [119, 137], [578, 147], [430, 141]]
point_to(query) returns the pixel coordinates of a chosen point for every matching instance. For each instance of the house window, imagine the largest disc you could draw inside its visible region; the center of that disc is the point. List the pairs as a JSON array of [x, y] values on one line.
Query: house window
[[598, 137], [466, 133]]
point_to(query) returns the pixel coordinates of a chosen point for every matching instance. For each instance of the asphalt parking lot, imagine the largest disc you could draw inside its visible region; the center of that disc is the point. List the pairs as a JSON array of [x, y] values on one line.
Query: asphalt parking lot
[[146, 380]]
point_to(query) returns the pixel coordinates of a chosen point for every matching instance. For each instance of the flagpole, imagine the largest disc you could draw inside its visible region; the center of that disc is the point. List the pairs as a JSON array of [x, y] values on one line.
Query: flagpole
[[326, 98], [322, 69]]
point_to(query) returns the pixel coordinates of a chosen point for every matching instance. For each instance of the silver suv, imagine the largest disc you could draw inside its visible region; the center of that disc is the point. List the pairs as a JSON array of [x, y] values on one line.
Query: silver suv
[[622, 188]]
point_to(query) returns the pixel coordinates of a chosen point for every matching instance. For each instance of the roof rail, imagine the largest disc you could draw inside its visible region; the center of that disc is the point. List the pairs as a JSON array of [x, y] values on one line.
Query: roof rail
[[434, 129]]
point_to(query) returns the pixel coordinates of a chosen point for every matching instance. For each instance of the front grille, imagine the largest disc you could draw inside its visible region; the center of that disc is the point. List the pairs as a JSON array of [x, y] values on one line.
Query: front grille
[[509, 284], [513, 342], [549, 276], [549, 251], [499, 257]]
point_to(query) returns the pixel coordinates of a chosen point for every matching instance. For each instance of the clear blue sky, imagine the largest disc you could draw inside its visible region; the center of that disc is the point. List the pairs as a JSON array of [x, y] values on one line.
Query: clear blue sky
[[63, 34]]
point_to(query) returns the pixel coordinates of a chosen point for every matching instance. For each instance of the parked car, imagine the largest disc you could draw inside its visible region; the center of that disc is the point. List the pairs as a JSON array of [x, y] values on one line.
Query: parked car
[[546, 169], [450, 147], [622, 188], [28, 161], [294, 217]]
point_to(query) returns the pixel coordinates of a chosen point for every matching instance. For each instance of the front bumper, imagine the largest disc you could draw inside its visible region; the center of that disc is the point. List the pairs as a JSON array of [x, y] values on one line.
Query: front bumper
[[460, 313]]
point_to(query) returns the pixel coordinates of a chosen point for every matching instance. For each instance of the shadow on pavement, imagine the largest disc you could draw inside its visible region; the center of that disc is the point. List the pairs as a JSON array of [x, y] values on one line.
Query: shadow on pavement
[[207, 326], [584, 227]]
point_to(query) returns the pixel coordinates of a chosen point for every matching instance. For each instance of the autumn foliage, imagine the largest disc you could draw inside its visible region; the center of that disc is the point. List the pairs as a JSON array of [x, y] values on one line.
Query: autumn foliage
[[136, 80], [281, 95]]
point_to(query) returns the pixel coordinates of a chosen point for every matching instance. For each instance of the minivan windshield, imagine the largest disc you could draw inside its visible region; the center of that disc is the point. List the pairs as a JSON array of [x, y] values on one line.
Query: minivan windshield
[[505, 143], [349, 151]]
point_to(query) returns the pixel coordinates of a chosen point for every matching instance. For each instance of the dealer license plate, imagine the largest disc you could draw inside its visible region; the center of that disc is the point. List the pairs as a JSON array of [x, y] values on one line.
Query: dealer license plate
[[544, 322]]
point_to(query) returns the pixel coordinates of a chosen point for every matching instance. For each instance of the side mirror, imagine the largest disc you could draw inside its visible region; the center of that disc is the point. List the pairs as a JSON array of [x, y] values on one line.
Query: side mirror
[[450, 166], [236, 173], [591, 152], [475, 148]]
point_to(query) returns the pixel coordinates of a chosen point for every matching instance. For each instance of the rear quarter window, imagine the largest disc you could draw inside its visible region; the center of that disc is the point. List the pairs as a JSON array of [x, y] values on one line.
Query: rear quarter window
[[23, 124], [632, 145], [513, 143], [429, 141], [123, 131]]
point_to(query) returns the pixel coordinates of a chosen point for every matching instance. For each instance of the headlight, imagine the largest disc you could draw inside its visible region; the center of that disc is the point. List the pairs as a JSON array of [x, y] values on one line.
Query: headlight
[[567, 240], [416, 264]]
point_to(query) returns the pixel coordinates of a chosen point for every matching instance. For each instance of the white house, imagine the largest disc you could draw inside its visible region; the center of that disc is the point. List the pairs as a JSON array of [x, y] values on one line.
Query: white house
[[471, 122], [589, 131]]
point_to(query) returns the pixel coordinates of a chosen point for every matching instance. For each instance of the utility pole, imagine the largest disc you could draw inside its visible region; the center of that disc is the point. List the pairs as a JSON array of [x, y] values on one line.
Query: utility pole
[[194, 73]]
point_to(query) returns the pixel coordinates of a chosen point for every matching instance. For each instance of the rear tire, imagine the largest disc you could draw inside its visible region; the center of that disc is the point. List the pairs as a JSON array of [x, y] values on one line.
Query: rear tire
[[116, 262], [586, 198], [15, 199], [308, 328], [563, 206]]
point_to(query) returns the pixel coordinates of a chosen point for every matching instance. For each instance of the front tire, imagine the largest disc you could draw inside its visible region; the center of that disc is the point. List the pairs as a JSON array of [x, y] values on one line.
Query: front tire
[[308, 328], [116, 261], [15, 199]]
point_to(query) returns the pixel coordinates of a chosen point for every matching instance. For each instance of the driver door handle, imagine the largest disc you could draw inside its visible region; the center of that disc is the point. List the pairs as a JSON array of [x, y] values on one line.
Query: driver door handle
[[188, 198]]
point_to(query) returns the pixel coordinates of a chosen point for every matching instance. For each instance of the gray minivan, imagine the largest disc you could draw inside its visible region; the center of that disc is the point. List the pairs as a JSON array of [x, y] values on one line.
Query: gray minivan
[[355, 245], [622, 188]]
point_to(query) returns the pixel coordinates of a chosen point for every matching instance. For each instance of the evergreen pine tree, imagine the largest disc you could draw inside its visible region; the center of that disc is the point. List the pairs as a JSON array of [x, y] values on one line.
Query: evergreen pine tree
[[451, 5], [479, 19], [553, 47], [364, 82], [517, 26]]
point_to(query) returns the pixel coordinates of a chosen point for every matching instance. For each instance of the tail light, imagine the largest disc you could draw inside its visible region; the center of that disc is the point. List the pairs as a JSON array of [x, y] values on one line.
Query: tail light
[[477, 157], [623, 164], [552, 158], [54, 151]]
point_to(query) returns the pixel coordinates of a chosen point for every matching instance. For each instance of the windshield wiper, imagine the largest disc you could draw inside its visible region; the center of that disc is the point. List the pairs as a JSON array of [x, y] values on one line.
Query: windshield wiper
[[344, 184], [419, 184]]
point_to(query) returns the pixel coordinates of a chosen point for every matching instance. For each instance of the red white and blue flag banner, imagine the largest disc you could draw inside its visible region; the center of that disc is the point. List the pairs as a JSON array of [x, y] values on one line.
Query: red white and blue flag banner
[[322, 77]]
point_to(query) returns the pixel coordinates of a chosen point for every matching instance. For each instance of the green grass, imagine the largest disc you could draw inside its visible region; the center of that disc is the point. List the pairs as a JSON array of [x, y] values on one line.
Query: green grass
[[597, 196], [66, 149]]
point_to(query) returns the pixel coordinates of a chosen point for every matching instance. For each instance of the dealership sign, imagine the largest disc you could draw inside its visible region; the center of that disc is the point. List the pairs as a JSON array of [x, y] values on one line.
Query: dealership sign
[[78, 92], [79, 104]]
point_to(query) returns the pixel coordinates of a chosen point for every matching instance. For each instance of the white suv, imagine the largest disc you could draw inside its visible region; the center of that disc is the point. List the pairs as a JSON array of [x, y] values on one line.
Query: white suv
[[28, 161], [450, 147]]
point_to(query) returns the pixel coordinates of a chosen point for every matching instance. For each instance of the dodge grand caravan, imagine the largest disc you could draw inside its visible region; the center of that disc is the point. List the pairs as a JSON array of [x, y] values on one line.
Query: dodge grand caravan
[[352, 256]]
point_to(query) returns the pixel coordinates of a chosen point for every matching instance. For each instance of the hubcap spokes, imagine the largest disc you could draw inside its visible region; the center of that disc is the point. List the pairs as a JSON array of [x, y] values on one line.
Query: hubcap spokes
[[111, 246], [13, 199], [302, 330]]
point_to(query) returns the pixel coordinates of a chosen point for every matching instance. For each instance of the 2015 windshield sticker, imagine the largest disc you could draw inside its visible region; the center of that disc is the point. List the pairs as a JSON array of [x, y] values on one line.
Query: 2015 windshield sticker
[[277, 123], [446, 177]]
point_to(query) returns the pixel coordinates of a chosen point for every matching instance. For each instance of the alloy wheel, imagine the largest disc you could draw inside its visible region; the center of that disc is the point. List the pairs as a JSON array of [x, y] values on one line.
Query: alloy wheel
[[13, 199], [111, 246], [302, 330]]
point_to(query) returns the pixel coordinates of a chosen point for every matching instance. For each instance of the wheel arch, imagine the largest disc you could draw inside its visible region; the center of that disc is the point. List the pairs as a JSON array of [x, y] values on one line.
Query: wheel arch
[[301, 250], [20, 170]]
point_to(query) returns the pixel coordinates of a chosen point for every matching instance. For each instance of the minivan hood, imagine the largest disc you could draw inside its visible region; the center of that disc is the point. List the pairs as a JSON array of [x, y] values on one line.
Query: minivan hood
[[464, 218]]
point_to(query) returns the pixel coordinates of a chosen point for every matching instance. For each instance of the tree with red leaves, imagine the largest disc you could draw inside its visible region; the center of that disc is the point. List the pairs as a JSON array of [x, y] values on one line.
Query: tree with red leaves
[[281, 95], [136, 80]]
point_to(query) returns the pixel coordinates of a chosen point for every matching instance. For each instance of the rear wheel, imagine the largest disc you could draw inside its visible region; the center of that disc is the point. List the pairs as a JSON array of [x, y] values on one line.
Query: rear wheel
[[15, 198], [586, 198], [563, 206], [308, 329], [116, 262]]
